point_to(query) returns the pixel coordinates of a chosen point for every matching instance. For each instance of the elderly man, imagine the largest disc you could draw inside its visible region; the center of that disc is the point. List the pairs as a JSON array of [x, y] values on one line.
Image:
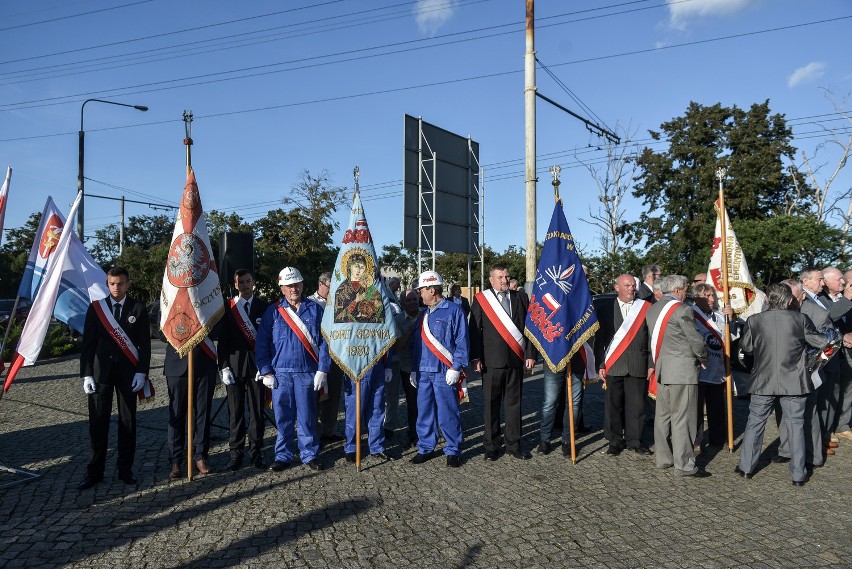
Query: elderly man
[[778, 339], [650, 275], [830, 397], [845, 409], [624, 364], [500, 353], [292, 357], [438, 355], [678, 351]]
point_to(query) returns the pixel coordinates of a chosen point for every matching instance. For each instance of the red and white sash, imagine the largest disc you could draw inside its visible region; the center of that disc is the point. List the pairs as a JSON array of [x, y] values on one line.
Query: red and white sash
[[209, 348], [660, 326], [588, 356], [115, 331], [299, 329], [710, 327], [502, 322], [243, 322], [442, 353], [626, 332]]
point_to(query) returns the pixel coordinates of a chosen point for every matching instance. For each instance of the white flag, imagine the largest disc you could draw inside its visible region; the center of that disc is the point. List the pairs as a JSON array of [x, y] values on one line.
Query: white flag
[[740, 286]]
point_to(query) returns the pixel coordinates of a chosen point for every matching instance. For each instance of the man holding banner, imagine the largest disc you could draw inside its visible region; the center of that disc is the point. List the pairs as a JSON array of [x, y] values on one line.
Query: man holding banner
[[114, 357], [500, 352], [292, 357]]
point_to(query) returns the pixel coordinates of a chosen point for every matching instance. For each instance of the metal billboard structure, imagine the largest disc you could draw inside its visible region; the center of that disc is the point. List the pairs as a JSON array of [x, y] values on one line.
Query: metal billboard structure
[[444, 194]]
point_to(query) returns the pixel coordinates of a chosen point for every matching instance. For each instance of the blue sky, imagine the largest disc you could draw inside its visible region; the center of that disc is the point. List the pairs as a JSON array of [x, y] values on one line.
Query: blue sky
[[336, 77]]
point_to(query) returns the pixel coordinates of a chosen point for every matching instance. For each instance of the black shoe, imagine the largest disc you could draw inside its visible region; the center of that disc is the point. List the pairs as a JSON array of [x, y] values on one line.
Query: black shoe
[[383, 456], [388, 435], [127, 477], [566, 450], [746, 475], [279, 465], [453, 461], [780, 459], [799, 482], [420, 458], [640, 451], [543, 448], [89, 481], [258, 462], [492, 455], [235, 463], [699, 474], [613, 451], [350, 457], [315, 464], [520, 454]]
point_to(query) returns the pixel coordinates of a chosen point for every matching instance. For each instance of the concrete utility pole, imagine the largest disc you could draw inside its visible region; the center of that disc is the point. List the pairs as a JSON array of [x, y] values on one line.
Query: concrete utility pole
[[529, 137]]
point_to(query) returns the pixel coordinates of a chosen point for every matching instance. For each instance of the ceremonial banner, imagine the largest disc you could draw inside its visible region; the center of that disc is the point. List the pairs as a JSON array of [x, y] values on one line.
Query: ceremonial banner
[[191, 299], [358, 322], [35, 328], [82, 282], [4, 192], [560, 318], [740, 285]]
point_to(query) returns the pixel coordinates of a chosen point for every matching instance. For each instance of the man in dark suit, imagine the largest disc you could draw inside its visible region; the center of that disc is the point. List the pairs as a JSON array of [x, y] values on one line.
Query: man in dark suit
[[107, 367], [650, 275], [456, 296], [496, 313], [236, 360], [205, 371], [625, 367], [778, 339], [830, 398]]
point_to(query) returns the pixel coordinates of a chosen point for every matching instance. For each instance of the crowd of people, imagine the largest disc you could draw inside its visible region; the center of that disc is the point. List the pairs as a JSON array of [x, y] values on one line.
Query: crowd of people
[[660, 335]]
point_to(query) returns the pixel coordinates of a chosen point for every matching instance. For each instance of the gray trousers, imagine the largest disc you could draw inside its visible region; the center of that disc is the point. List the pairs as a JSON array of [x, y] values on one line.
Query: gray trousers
[[793, 407], [676, 419], [392, 398], [813, 436], [828, 398]]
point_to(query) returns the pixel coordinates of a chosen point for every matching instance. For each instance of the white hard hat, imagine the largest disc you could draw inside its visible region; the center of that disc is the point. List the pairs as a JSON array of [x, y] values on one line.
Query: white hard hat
[[289, 275], [429, 278]]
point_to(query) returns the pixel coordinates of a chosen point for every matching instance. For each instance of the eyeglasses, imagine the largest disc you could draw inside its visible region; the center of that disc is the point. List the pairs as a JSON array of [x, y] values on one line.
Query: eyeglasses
[[697, 281]]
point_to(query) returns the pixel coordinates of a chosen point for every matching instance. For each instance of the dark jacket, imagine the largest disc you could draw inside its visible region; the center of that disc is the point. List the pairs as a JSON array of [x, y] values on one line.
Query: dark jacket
[[100, 355], [636, 359], [176, 366], [234, 350], [486, 343]]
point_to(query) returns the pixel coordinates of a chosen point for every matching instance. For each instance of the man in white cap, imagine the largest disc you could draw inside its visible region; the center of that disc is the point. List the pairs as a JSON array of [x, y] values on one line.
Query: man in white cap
[[292, 357], [438, 354]]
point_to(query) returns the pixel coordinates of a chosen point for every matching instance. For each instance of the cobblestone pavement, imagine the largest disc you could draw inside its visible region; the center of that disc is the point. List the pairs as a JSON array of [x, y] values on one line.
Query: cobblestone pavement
[[602, 512]]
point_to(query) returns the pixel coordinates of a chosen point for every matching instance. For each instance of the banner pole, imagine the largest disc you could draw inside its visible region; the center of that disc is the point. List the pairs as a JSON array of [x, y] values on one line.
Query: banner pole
[[358, 426], [569, 405], [723, 218], [189, 407]]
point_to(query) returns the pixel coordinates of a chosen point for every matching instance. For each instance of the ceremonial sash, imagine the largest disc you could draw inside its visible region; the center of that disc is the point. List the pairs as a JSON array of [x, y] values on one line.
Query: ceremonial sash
[[442, 353], [243, 322], [626, 332], [209, 348], [115, 331], [657, 341], [299, 329], [502, 322], [588, 356], [707, 325]]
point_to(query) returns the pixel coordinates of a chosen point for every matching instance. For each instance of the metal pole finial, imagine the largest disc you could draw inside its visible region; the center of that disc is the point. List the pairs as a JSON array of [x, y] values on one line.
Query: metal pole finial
[[187, 119], [555, 171], [721, 173]]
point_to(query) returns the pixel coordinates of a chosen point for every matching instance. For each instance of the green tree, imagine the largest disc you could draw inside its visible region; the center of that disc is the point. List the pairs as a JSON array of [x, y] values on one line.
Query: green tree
[[221, 222], [146, 267], [401, 260], [17, 243]]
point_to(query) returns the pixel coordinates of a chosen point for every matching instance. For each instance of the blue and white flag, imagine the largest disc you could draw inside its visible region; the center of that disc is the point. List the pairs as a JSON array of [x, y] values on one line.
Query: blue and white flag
[[358, 322], [82, 279], [560, 317]]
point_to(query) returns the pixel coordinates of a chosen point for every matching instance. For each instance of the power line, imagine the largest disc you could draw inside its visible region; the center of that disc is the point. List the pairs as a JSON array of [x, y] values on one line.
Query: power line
[[74, 16]]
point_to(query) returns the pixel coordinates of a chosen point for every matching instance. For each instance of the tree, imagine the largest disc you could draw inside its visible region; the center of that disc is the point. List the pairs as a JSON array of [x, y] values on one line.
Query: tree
[[220, 222], [142, 231], [678, 184], [146, 267], [17, 243], [401, 260]]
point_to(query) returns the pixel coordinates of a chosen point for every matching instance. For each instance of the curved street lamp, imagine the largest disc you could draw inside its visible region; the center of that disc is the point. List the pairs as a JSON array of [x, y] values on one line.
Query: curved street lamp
[[82, 138]]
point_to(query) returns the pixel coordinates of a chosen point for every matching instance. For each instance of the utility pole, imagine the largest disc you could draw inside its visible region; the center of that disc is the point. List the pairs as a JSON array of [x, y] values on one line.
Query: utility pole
[[121, 229], [529, 137]]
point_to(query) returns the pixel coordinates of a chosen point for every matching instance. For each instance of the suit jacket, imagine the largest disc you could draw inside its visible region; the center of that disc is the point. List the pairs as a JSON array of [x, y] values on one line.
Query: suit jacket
[[100, 355], [234, 350], [636, 359], [486, 343], [778, 339], [838, 310], [176, 366], [644, 292], [683, 348]]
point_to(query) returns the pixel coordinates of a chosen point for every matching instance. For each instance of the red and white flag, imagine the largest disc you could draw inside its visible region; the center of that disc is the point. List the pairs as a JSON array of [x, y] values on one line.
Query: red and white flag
[[4, 192], [740, 285], [191, 299], [35, 328]]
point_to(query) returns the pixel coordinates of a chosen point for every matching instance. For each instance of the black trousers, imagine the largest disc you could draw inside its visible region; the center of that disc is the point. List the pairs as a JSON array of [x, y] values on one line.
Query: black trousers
[[328, 409], [502, 385], [713, 395], [100, 411], [246, 389], [178, 399], [624, 410], [410, 404]]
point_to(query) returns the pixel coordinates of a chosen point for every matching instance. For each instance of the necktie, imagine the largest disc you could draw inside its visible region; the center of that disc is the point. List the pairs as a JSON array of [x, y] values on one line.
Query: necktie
[[625, 308], [246, 307], [504, 300], [116, 310]]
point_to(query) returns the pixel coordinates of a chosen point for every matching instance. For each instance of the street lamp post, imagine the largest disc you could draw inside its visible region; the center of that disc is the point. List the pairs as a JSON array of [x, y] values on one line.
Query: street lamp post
[[82, 139]]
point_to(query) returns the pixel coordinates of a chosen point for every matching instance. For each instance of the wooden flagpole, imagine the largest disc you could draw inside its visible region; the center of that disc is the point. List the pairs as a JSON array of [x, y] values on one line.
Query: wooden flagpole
[[190, 396], [729, 395], [358, 426]]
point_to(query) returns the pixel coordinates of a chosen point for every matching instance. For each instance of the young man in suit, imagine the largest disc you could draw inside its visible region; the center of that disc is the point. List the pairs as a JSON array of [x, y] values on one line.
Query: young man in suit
[[238, 368], [499, 351], [115, 356]]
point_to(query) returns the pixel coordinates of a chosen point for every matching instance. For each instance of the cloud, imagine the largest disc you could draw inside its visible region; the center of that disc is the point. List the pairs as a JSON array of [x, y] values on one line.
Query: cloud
[[432, 14], [680, 12], [807, 74]]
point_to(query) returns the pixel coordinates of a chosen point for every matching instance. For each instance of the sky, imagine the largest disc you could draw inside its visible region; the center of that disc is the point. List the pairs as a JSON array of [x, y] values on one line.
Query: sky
[[280, 87]]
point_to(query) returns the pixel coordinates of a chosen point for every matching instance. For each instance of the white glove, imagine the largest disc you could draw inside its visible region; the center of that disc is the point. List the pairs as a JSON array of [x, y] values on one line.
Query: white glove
[[269, 381], [453, 376], [138, 382], [388, 375], [89, 385], [320, 381], [227, 376]]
